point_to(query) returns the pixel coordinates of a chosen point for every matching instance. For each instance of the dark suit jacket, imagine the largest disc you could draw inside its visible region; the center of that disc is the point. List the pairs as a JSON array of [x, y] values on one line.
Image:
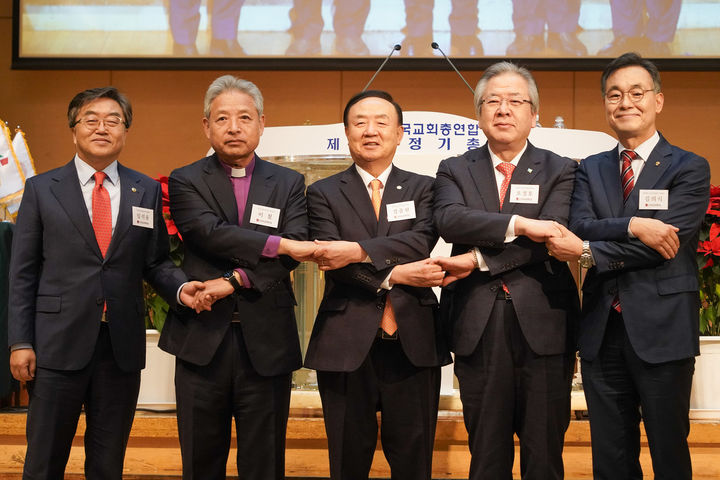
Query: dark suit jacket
[[59, 280], [203, 206], [340, 208], [467, 214], [659, 297]]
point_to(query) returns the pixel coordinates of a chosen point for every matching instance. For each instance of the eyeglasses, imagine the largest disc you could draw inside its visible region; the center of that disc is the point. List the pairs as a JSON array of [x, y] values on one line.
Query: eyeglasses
[[92, 123], [495, 102], [636, 95]]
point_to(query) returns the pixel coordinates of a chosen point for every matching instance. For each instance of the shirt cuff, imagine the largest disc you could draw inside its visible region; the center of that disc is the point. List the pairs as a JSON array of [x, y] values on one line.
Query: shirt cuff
[[177, 295], [21, 346], [246, 283], [630, 233], [482, 266], [386, 285], [271, 248], [510, 232]]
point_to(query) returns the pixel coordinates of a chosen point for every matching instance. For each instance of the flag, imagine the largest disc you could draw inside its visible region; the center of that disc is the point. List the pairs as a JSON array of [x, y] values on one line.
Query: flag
[[22, 153], [12, 179]]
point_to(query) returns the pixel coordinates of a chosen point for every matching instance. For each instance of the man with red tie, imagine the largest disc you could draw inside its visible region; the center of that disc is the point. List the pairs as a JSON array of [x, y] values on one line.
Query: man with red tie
[[87, 235], [511, 315], [638, 208], [376, 343]]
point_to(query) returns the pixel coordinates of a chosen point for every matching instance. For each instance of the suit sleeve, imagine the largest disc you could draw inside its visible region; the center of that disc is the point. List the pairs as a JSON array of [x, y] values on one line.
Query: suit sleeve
[[207, 231], [458, 223], [269, 271], [160, 271], [323, 227], [25, 268], [689, 194]]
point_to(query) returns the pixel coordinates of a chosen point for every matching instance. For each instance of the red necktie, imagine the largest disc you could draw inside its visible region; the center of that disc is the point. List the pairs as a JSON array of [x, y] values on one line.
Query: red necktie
[[387, 323], [101, 213], [506, 168], [627, 177]]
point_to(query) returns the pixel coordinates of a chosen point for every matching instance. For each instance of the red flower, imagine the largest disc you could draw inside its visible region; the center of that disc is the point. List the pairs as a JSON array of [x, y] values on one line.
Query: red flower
[[714, 205], [169, 223]]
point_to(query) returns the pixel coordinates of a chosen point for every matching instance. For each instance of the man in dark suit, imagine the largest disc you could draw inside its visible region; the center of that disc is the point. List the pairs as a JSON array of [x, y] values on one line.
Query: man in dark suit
[[510, 317], [233, 210], [638, 208], [375, 342], [86, 236]]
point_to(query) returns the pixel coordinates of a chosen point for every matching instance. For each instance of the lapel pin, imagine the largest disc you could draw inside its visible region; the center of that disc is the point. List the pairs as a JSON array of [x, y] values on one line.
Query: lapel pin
[[399, 187], [657, 164], [134, 189], [529, 170]]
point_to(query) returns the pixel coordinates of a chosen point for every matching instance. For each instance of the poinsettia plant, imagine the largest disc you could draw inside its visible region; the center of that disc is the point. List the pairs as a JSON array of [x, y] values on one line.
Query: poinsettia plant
[[156, 309], [708, 256]]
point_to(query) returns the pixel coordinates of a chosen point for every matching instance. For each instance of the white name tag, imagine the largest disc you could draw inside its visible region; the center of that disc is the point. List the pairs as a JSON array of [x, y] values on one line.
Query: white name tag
[[524, 193], [653, 200], [265, 216], [401, 211], [142, 217]]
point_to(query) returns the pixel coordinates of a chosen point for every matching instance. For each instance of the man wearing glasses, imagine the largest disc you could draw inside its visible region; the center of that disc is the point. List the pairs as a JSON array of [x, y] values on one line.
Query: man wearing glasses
[[87, 234], [638, 208], [511, 314]]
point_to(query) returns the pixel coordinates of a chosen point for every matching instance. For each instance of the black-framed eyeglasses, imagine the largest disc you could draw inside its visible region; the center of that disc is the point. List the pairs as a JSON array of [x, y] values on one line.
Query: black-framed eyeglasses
[[495, 102], [635, 94]]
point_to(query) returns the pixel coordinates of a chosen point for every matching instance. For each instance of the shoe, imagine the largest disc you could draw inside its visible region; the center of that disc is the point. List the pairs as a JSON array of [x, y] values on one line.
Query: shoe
[[182, 50], [621, 44], [657, 49], [466, 46], [526, 45], [566, 44], [416, 47], [226, 48], [304, 47], [350, 46]]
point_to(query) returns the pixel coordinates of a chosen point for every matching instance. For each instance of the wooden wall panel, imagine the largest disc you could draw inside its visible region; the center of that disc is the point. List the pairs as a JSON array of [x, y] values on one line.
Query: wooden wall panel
[[168, 104]]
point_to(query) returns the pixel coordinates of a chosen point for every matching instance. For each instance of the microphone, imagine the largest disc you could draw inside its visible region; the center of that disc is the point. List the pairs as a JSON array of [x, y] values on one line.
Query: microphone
[[435, 46], [395, 48]]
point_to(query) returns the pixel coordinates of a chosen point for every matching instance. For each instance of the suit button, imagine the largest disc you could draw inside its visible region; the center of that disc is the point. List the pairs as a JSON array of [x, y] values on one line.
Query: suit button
[[494, 288], [380, 306], [99, 300], [387, 261]]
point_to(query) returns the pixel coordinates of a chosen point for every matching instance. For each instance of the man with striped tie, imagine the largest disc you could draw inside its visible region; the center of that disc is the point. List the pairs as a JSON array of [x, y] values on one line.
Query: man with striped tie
[[638, 208]]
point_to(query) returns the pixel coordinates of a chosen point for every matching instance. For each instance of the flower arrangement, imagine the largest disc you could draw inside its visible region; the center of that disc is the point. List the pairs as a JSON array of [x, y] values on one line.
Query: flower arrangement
[[156, 309], [708, 256]]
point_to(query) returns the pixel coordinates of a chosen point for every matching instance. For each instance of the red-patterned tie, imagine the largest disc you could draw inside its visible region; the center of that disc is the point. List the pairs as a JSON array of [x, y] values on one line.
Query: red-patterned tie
[[387, 323], [506, 168], [627, 177], [101, 213]]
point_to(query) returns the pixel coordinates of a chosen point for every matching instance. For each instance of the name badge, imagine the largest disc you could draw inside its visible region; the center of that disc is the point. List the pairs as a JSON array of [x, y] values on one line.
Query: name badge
[[265, 216], [400, 211], [653, 199], [524, 193], [142, 217]]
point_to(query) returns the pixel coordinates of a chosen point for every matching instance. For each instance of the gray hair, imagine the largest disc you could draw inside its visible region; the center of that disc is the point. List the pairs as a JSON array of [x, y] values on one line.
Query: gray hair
[[507, 67], [228, 82]]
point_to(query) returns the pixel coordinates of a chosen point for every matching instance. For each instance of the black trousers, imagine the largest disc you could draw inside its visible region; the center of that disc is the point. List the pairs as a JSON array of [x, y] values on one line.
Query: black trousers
[[109, 396], [407, 398], [210, 396], [508, 389], [620, 388]]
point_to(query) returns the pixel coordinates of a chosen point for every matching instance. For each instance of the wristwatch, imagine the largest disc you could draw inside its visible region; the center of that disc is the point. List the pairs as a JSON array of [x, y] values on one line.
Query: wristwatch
[[586, 258], [230, 277]]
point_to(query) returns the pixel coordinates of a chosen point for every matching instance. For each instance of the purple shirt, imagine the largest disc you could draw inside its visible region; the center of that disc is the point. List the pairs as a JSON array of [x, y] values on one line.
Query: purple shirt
[[241, 188]]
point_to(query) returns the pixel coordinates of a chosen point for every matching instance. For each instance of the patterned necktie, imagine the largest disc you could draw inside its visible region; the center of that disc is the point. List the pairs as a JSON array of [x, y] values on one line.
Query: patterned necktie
[[387, 323], [506, 168], [626, 176], [101, 213]]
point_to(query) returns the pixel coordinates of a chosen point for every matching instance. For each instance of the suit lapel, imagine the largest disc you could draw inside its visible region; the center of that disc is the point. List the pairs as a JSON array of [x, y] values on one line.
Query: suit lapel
[[131, 195], [659, 161], [609, 169], [69, 196], [262, 187], [527, 168], [356, 193], [221, 189], [483, 175], [394, 192]]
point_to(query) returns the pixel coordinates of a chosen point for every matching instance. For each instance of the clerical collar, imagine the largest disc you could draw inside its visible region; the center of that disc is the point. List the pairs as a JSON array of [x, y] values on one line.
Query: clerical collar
[[238, 172]]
